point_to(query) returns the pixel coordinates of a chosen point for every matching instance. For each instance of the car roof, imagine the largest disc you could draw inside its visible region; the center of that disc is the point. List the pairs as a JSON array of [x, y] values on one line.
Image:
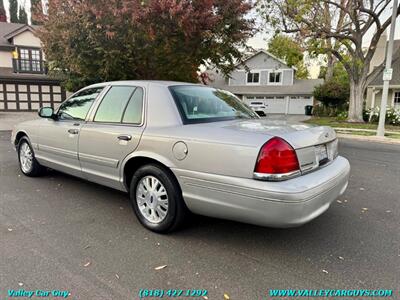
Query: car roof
[[144, 82]]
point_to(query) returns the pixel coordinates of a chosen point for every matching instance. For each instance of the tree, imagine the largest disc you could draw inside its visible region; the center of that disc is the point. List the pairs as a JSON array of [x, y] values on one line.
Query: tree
[[3, 16], [338, 28], [22, 16], [13, 11], [338, 72], [333, 93], [91, 41], [290, 51], [36, 12]]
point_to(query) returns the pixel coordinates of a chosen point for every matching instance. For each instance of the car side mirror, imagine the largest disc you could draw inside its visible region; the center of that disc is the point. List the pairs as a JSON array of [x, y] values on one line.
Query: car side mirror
[[46, 112]]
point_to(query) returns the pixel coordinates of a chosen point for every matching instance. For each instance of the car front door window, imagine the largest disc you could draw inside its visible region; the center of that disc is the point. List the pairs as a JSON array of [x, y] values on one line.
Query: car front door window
[[77, 107]]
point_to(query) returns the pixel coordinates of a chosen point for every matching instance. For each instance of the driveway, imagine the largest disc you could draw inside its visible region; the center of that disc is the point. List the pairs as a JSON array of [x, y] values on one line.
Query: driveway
[[9, 119], [59, 232]]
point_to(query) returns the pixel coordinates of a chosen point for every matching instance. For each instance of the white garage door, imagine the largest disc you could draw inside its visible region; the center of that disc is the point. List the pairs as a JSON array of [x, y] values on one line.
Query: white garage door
[[275, 105], [296, 104]]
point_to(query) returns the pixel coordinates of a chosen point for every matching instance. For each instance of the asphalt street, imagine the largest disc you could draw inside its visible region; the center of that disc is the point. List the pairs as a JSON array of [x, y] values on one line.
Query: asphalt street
[[60, 232]]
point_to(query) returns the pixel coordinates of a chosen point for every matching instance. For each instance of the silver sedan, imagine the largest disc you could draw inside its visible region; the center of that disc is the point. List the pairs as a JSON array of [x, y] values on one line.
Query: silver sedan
[[178, 148]]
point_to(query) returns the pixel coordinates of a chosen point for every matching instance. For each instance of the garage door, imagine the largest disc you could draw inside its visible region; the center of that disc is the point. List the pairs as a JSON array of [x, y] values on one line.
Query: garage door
[[296, 104], [29, 96], [275, 105]]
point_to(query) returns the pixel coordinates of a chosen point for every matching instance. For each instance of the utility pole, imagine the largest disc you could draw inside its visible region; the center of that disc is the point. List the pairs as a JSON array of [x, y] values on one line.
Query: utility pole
[[387, 73]]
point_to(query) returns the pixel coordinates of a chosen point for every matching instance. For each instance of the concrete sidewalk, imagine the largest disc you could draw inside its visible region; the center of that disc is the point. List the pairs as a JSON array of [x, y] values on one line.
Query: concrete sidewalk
[[9, 119], [373, 138]]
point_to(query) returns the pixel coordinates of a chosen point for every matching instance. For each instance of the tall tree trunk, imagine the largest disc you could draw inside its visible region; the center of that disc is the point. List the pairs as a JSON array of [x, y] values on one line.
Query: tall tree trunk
[[356, 100], [329, 67]]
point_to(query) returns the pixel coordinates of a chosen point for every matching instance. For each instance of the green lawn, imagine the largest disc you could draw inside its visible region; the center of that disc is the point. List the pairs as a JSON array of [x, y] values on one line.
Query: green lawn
[[333, 122], [368, 133]]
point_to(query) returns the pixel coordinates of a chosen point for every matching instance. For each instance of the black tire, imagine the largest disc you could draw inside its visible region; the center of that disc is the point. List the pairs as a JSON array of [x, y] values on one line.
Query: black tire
[[177, 209], [36, 169]]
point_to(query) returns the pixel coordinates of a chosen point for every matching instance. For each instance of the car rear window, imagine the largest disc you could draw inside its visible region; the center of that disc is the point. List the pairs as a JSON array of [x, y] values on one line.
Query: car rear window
[[199, 104]]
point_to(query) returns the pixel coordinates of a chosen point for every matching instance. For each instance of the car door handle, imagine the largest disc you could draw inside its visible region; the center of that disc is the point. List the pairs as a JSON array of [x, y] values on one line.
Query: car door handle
[[73, 131], [124, 137]]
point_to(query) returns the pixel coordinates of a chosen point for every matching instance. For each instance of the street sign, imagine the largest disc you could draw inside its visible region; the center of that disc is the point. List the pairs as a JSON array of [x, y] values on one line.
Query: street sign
[[387, 74]]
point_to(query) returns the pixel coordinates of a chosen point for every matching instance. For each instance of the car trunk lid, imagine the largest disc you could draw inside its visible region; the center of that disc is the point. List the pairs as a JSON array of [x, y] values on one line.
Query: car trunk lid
[[315, 146]]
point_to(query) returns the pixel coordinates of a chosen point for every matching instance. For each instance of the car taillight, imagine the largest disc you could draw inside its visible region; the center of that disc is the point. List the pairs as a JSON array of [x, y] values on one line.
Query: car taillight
[[276, 157]]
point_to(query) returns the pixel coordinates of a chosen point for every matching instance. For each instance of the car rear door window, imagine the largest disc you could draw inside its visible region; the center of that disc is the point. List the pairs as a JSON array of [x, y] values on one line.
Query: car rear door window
[[133, 111], [113, 104], [77, 107]]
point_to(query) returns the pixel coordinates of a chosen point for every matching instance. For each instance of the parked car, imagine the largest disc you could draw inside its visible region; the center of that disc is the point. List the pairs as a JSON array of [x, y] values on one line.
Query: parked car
[[259, 107], [178, 148]]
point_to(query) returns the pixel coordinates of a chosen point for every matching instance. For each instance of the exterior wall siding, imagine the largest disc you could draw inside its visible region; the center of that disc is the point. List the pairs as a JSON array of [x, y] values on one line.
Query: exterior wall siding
[[238, 78], [27, 38], [264, 61], [264, 64], [6, 59], [287, 77], [378, 97]]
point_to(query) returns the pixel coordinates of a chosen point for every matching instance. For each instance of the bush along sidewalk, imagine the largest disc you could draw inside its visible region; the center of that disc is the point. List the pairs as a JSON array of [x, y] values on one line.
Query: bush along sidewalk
[[392, 115]]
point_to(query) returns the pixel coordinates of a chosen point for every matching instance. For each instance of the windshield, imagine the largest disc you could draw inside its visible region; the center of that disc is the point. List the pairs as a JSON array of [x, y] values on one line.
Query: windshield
[[198, 104]]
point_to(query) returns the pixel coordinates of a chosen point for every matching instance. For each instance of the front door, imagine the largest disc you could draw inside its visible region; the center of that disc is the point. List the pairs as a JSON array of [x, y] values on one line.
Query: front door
[[58, 139], [113, 133]]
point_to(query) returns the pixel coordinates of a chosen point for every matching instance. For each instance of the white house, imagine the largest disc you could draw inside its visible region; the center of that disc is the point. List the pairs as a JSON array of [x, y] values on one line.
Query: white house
[[269, 80]]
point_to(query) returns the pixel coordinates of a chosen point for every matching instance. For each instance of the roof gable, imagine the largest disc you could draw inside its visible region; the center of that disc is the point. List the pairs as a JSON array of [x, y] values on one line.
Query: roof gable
[[18, 31], [10, 30], [265, 53]]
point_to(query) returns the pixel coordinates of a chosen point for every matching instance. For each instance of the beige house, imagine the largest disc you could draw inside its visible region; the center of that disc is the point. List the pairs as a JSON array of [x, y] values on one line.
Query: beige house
[[24, 84], [374, 90]]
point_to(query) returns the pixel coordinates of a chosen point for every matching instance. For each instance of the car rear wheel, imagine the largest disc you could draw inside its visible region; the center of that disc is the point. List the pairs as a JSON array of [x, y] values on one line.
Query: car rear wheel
[[157, 199], [27, 161]]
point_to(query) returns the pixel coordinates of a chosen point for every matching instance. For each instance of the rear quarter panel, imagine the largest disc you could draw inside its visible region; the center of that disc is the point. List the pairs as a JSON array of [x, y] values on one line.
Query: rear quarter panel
[[209, 150]]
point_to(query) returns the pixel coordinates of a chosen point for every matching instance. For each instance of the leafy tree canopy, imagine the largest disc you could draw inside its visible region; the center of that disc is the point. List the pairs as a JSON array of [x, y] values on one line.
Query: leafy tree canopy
[[337, 28], [339, 73], [90, 41], [37, 12], [334, 93], [290, 51]]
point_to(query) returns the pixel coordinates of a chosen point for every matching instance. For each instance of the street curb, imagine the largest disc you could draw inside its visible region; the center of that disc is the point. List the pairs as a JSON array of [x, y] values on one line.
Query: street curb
[[383, 140], [366, 130]]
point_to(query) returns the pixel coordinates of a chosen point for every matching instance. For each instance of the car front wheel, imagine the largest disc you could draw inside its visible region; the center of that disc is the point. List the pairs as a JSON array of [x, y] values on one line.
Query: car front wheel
[[157, 199], [27, 161]]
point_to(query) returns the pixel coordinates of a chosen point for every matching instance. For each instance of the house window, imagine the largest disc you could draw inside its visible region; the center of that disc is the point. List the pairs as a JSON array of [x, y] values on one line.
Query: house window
[[275, 77], [397, 98], [29, 60], [253, 77]]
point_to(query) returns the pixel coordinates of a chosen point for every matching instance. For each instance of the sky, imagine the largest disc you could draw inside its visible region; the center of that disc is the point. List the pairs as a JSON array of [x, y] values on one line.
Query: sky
[[259, 41]]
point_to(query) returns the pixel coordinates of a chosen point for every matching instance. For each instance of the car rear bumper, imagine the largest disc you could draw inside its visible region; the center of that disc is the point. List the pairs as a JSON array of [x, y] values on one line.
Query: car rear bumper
[[276, 204]]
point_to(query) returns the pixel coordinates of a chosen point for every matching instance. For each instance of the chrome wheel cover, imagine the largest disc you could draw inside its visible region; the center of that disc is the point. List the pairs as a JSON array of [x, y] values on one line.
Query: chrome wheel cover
[[25, 157], [152, 199]]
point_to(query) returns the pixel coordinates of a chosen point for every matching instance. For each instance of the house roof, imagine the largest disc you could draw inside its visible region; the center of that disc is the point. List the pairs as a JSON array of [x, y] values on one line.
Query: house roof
[[378, 80], [267, 53], [9, 30], [299, 87]]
